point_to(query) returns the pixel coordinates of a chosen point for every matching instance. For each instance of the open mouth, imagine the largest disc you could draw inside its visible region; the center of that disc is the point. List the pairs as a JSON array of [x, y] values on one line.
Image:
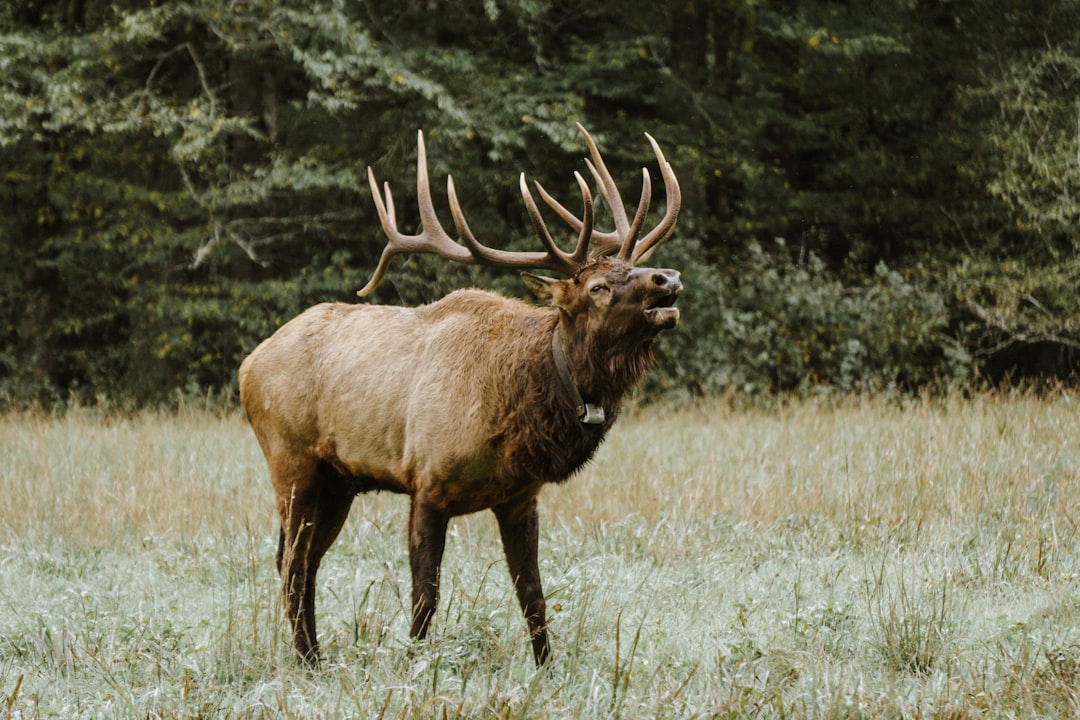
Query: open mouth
[[662, 313], [664, 301]]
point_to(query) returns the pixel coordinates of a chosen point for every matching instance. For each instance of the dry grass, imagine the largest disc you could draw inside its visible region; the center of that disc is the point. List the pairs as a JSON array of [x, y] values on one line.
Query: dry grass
[[854, 558]]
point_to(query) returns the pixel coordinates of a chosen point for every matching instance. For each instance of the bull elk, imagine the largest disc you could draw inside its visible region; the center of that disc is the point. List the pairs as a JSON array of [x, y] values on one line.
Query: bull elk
[[472, 402]]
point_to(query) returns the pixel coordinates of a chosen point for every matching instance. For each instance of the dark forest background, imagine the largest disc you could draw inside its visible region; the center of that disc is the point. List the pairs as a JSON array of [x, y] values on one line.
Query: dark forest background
[[877, 195]]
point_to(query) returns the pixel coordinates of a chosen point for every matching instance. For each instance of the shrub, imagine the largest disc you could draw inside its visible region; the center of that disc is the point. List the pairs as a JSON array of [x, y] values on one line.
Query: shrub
[[776, 324]]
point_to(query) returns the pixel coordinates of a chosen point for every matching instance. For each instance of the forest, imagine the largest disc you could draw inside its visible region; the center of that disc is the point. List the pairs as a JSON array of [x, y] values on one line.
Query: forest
[[877, 197]]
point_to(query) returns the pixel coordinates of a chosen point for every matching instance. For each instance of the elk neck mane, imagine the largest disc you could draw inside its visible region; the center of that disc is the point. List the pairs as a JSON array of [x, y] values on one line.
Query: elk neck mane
[[535, 428]]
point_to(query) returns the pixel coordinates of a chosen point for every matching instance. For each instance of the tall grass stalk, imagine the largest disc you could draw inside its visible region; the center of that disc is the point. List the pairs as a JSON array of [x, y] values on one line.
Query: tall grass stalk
[[844, 558]]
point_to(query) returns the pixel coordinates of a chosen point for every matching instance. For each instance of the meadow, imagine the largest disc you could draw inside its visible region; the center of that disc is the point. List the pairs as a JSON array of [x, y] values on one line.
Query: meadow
[[851, 558]]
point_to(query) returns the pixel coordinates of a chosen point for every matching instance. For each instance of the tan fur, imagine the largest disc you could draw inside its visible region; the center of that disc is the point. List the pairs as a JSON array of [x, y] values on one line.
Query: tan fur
[[395, 395]]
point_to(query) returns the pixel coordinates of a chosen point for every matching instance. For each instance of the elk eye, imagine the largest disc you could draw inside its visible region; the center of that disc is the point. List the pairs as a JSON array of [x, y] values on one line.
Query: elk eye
[[599, 288]]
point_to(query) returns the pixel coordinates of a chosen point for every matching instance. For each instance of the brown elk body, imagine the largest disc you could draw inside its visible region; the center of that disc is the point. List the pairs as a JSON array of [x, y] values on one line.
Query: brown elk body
[[473, 402]]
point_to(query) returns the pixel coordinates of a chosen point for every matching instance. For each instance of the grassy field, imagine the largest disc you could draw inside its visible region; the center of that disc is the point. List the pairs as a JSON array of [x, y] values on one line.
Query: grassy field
[[858, 558]]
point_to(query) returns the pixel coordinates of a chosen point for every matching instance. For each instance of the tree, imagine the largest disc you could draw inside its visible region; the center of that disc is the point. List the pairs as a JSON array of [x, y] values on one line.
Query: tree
[[1016, 290], [181, 176]]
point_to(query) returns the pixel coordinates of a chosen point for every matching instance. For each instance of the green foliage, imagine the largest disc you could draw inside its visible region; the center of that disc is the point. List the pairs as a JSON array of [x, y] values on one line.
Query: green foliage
[[1016, 316], [782, 325], [179, 177], [1029, 156]]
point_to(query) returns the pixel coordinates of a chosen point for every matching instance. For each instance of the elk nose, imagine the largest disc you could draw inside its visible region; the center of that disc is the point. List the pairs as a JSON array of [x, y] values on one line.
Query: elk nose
[[668, 280]]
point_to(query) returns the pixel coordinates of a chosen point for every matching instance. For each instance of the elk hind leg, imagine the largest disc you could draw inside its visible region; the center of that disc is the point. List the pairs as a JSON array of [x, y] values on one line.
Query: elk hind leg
[[312, 515]]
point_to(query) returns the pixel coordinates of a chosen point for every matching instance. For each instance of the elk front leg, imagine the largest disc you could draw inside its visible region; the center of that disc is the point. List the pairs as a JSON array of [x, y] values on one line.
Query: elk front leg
[[519, 526], [427, 538]]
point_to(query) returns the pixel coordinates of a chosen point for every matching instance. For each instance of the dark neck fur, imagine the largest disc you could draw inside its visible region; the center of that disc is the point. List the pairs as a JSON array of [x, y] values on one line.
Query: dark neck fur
[[542, 439]]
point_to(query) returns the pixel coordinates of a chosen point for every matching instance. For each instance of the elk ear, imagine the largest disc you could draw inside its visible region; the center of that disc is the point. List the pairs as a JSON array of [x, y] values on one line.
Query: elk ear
[[547, 290]]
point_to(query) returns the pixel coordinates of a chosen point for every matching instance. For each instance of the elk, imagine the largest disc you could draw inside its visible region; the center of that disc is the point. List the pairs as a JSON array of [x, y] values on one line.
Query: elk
[[472, 402]]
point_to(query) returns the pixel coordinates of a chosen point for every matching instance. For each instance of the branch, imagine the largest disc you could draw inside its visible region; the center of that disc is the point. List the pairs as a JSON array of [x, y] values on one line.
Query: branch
[[1013, 336], [202, 79], [148, 85]]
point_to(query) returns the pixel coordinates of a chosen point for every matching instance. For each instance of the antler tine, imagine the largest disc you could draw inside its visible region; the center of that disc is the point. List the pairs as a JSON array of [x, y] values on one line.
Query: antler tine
[[386, 219], [391, 216], [568, 264], [432, 238], [629, 242], [604, 243], [551, 259], [377, 276], [584, 226], [606, 183], [660, 234], [586, 232]]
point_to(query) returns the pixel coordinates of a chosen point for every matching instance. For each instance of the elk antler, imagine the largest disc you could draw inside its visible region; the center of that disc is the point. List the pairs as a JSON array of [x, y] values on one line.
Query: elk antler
[[433, 238], [624, 238]]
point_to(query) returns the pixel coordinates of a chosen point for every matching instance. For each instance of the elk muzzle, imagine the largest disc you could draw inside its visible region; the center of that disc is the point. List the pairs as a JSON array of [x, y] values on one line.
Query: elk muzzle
[[663, 288]]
